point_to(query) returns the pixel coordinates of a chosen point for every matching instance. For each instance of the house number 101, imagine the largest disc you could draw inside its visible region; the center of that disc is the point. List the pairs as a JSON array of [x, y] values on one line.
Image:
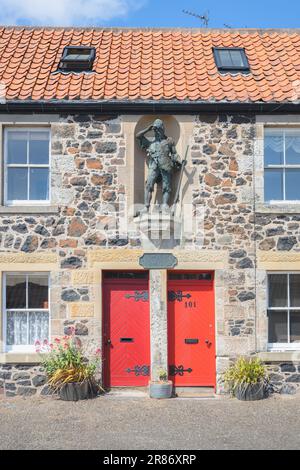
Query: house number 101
[[190, 304]]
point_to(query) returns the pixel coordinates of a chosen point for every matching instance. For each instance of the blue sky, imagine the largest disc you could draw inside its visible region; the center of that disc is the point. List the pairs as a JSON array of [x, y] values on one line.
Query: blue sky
[[151, 13]]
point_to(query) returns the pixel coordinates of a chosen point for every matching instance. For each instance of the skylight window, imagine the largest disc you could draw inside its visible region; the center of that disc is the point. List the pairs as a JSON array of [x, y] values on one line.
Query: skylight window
[[77, 59], [231, 59]]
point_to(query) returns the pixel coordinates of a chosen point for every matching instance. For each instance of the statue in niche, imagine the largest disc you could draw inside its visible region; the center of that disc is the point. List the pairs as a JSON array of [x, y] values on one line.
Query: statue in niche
[[163, 160]]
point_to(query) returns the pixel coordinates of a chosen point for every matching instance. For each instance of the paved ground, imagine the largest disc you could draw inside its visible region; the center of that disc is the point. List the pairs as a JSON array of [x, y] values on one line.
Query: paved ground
[[141, 423]]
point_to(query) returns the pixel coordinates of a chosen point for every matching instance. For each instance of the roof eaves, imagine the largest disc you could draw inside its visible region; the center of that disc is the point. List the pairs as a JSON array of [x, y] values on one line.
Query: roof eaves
[[148, 106]]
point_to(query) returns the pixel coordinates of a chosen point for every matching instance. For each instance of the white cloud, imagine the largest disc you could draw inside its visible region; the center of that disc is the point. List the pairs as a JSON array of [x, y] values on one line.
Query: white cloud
[[64, 12]]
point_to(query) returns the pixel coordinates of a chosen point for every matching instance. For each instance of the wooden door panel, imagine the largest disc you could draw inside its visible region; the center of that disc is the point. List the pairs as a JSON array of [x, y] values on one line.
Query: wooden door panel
[[191, 333], [126, 333]]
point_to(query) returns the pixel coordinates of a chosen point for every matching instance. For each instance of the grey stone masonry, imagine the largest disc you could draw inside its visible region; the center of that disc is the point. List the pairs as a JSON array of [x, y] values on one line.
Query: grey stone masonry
[[285, 377], [22, 380], [91, 170]]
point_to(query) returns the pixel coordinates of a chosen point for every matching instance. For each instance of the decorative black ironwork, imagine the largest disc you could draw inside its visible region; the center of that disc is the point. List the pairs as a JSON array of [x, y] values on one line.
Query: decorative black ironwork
[[177, 295], [178, 370], [139, 370], [139, 295]]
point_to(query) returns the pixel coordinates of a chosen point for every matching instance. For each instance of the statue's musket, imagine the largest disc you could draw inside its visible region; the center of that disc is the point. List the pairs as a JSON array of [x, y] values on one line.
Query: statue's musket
[[184, 162]]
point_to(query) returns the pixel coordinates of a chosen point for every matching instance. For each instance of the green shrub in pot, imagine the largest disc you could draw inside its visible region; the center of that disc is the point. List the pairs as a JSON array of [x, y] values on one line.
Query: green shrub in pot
[[161, 388], [247, 379], [69, 372]]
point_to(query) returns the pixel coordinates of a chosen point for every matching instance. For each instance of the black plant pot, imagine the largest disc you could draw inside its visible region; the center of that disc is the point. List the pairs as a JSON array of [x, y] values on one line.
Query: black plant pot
[[250, 392], [78, 391]]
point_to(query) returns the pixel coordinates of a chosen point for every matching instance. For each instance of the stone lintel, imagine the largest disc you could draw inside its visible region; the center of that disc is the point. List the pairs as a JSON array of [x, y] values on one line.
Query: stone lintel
[[129, 258], [278, 261], [28, 258]]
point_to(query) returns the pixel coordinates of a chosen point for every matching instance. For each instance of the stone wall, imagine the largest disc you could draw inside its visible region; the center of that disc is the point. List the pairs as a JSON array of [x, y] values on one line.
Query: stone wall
[[284, 376], [22, 380], [222, 152], [88, 154]]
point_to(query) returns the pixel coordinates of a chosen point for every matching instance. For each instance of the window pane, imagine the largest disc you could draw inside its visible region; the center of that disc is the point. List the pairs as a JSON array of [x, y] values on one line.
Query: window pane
[[39, 184], [278, 290], [225, 58], [74, 53], [236, 58], [273, 182], [292, 185], [295, 290], [277, 327], [292, 147], [17, 328], [39, 148], [273, 147], [17, 147], [294, 327], [38, 326], [17, 184], [15, 291], [38, 291]]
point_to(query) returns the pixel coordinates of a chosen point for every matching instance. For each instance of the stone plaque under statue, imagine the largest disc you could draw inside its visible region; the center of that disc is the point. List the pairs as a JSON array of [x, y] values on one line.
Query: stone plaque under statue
[[158, 261]]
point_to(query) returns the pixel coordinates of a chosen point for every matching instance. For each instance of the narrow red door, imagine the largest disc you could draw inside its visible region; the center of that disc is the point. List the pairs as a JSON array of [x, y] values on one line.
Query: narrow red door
[[191, 330], [126, 330]]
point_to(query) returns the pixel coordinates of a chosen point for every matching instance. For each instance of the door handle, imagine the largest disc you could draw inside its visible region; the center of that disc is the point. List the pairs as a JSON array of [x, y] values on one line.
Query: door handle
[[108, 342], [208, 342]]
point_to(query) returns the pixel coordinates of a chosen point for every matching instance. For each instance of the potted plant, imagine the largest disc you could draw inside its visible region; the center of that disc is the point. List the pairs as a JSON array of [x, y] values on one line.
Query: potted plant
[[247, 379], [161, 388], [69, 373]]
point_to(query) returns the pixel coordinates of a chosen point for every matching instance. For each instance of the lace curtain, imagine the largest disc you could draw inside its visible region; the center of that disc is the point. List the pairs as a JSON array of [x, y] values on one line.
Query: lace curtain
[[275, 143], [25, 328]]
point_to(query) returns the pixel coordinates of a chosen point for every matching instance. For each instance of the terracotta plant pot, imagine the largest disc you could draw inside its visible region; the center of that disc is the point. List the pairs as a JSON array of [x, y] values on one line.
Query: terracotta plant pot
[[161, 389], [250, 392], [78, 391]]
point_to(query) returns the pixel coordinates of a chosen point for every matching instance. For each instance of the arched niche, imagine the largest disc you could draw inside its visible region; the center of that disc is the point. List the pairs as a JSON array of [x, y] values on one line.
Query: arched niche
[[172, 129]]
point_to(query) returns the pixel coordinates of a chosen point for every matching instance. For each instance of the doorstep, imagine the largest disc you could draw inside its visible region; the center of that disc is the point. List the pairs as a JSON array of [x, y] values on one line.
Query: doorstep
[[127, 392], [143, 392], [195, 392]]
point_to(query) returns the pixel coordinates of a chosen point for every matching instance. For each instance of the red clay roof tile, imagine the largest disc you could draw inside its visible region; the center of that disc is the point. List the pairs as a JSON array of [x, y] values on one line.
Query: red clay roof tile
[[149, 64]]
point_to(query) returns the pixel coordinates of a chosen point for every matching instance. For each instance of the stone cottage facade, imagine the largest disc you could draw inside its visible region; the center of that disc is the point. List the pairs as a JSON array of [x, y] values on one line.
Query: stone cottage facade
[[72, 176]]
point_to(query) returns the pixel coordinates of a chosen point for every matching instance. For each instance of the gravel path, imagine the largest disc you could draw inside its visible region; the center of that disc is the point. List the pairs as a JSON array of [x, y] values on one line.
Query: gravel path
[[115, 423]]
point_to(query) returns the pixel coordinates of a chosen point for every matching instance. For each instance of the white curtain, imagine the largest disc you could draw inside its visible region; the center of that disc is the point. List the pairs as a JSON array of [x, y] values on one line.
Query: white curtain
[[275, 142], [26, 327]]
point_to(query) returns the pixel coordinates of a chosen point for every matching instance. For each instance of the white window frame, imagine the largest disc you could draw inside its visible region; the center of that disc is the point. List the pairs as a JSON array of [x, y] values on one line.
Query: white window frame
[[25, 347], [26, 202], [283, 346], [283, 167]]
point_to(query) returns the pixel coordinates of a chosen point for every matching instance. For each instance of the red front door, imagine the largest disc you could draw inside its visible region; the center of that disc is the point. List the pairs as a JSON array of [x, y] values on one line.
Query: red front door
[[126, 330], [191, 332]]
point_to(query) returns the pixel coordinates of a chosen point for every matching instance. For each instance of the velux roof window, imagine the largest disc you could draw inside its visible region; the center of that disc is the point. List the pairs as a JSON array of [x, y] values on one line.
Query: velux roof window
[[77, 59], [231, 59]]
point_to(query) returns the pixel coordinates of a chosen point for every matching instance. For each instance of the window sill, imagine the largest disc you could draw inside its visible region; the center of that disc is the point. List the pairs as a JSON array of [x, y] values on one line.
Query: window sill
[[282, 208], [279, 356], [20, 358], [39, 209]]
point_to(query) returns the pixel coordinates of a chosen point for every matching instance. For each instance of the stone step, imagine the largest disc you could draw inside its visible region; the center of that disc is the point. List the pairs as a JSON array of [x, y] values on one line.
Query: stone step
[[127, 392], [195, 392]]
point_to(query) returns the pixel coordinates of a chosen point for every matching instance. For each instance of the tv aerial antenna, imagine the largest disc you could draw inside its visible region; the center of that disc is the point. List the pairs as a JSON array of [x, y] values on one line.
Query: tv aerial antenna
[[203, 18]]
